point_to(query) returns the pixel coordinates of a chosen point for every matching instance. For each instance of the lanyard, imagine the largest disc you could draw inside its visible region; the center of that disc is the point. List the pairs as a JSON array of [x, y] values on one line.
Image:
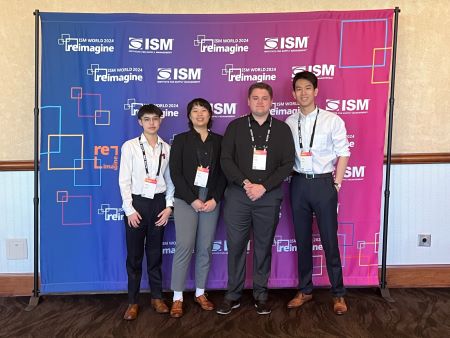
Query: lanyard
[[300, 131], [265, 146], [145, 158]]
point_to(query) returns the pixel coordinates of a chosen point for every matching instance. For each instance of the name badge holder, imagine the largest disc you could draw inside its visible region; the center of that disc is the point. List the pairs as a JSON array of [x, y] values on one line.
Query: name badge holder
[[149, 188], [259, 159], [201, 177], [306, 164], [259, 155]]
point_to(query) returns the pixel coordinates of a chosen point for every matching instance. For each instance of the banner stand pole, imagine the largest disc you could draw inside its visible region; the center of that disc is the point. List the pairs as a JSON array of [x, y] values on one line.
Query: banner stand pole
[[383, 287], [34, 299]]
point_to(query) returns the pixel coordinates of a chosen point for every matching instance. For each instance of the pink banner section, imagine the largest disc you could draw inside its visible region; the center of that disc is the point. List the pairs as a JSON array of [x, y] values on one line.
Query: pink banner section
[[351, 58]]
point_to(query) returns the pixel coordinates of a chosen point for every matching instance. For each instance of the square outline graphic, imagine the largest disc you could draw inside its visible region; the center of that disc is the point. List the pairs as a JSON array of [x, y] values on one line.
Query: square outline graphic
[[90, 211], [65, 135], [342, 38], [59, 129], [100, 111], [65, 196], [373, 66], [99, 170]]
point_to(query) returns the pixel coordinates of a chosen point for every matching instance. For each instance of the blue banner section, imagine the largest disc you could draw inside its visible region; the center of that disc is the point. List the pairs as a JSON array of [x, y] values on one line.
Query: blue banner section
[[99, 69]]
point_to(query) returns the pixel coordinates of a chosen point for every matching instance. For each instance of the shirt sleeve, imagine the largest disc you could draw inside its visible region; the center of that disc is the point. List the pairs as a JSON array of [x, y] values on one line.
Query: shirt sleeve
[[125, 171], [221, 183], [170, 188], [176, 170], [339, 137], [228, 152]]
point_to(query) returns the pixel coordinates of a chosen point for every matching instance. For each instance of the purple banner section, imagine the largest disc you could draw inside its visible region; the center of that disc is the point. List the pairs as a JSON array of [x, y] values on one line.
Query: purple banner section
[[99, 69]]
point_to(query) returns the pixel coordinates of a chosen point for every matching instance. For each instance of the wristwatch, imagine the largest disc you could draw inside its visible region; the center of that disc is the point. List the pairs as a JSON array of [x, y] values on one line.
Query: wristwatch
[[338, 185], [244, 182]]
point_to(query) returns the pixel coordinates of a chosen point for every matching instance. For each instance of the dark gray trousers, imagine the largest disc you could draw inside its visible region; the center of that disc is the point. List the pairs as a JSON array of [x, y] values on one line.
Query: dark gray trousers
[[241, 215], [318, 196]]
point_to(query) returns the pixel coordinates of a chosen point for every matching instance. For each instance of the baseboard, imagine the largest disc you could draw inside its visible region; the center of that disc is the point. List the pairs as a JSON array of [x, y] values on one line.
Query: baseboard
[[418, 276], [402, 276], [12, 284]]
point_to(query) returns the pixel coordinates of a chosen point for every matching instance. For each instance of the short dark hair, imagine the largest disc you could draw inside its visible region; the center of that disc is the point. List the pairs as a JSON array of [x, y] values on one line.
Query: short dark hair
[[306, 75], [202, 103], [260, 85], [149, 109]]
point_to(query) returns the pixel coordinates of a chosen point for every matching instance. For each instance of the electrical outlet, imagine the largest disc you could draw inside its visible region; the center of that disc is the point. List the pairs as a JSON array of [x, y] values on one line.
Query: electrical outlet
[[424, 240], [16, 248]]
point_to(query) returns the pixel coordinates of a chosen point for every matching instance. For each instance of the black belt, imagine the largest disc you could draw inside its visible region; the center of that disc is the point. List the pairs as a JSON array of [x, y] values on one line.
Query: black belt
[[142, 198], [312, 176]]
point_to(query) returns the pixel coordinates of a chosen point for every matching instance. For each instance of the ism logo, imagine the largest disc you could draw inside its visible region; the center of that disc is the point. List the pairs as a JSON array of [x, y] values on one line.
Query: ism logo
[[190, 74], [286, 43], [150, 45]]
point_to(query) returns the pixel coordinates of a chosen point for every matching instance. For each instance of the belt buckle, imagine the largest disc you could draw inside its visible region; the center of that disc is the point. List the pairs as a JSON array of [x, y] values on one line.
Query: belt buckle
[[309, 176]]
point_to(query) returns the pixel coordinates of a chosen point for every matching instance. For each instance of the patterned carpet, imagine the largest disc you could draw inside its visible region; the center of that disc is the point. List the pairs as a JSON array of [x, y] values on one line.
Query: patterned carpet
[[416, 313]]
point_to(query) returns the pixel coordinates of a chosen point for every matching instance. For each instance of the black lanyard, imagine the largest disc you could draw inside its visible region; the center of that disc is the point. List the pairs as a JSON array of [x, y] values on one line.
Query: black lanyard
[[300, 131], [265, 146], [145, 158]]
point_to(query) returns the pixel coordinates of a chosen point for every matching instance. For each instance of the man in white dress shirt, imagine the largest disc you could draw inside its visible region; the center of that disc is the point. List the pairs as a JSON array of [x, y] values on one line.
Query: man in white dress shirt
[[322, 153], [147, 194]]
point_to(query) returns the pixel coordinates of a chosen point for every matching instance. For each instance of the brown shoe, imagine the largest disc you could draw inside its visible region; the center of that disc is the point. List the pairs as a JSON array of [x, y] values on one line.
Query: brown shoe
[[159, 306], [339, 305], [177, 309], [204, 303], [132, 312], [299, 299]]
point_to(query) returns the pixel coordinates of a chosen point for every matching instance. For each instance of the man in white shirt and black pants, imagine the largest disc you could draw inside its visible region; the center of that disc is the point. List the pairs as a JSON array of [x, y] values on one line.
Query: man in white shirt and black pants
[[147, 194], [321, 148]]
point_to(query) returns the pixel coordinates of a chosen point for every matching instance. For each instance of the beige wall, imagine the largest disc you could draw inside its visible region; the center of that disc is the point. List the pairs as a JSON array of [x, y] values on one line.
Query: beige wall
[[422, 106]]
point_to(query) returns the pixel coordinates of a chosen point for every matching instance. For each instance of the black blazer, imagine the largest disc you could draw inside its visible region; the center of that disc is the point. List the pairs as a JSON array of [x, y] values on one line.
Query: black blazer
[[183, 165]]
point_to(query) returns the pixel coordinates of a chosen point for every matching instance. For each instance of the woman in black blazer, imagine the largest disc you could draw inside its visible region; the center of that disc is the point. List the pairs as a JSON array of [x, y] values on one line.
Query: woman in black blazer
[[199, 186]]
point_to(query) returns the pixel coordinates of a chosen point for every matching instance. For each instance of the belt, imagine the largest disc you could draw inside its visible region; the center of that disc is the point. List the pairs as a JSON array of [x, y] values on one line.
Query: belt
[[139, 197], [312, 176]]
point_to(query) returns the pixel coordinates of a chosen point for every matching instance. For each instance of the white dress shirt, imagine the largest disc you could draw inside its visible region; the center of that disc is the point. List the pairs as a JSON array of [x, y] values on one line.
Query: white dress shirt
[[330, 139], [132, 171]]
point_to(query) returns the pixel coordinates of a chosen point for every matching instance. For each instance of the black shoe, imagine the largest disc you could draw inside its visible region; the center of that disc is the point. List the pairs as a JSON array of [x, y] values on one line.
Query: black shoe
[[262, 308], [227, 305]]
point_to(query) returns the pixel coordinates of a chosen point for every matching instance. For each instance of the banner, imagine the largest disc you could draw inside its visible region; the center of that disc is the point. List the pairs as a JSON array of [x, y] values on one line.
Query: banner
[[99, 69]]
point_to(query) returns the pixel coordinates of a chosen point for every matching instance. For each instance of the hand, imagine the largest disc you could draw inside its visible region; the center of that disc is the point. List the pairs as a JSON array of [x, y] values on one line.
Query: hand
[[254, 191], [337, 186], [209, 205], [197, 205], [134, 220], [163, 217]]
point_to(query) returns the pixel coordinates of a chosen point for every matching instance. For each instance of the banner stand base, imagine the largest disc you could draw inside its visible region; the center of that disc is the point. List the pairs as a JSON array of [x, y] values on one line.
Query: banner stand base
[[386, 295], [33, 303]]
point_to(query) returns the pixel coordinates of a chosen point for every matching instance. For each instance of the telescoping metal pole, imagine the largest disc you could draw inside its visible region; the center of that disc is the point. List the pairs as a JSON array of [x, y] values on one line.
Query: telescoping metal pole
[[34, 299], [383, 287]]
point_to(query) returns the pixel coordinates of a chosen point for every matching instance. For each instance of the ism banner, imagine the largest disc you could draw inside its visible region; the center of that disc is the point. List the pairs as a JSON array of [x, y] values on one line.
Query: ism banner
[[98, 69]]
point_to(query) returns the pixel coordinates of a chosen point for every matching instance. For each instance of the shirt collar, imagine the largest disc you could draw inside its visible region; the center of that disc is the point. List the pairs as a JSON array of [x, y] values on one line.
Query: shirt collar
[[144, 140], [196, 133], [310, 115], [252, 119]]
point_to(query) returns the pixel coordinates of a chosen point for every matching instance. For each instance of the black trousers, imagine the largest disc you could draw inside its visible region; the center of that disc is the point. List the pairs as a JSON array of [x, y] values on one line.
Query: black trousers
[[241, 215], [147, 236], [318, 196]]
